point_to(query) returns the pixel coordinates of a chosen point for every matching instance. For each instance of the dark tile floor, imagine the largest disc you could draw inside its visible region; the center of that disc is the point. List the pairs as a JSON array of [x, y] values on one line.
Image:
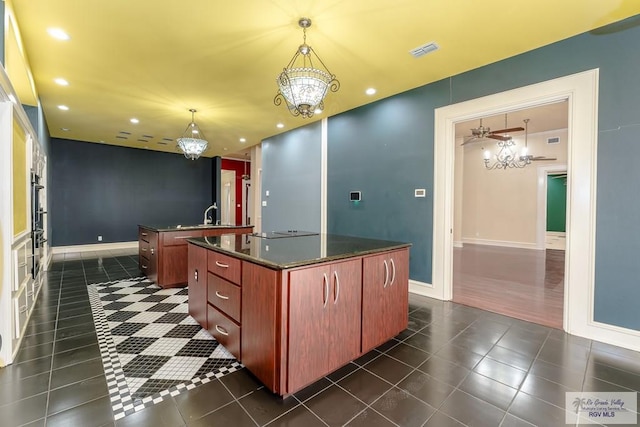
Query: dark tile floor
[[454, 366]]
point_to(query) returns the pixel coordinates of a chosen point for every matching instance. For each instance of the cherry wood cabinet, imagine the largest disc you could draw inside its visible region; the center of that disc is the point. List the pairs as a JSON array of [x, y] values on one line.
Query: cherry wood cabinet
[[163, 252], [197, 275], [292, 326], [386, 294], [324, 320]]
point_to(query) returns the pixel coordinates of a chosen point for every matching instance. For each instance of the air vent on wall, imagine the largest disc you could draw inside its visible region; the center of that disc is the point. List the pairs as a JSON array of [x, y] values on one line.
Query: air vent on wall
[[554, 140], [424, 49]]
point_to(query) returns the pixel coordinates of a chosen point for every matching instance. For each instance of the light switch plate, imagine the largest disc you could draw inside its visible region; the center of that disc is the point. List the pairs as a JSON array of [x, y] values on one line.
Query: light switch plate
[[264, 203], [420, 192]]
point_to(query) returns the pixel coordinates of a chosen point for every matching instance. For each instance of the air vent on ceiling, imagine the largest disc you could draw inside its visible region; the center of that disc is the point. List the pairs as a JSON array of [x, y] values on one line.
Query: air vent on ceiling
[[124, 132], [424, 49], [553, 140], [121, 137]]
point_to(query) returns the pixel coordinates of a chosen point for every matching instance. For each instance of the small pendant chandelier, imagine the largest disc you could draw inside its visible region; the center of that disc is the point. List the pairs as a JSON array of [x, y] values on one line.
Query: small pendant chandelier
[[301, 85], [192, 142]]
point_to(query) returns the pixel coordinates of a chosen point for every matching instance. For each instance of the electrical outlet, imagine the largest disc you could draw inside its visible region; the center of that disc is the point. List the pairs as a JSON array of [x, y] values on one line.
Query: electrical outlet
[[99, 238], [264, 203]]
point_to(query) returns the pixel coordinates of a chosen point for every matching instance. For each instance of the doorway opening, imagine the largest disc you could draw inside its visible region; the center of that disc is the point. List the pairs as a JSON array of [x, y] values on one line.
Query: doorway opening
[[500, 258]]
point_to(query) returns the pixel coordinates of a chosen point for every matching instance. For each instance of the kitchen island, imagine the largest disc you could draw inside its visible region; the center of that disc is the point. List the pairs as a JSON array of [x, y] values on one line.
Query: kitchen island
[[163, 249], [295, 306]]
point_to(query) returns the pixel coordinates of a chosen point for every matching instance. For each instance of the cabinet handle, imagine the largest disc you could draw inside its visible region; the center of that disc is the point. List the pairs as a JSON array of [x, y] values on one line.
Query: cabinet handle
[[219, 295], [195, 274], [221, 330], [144, 234], [143, 249], [183, 237], [144, 267], [337, 287], [326, 290], [393, 271], [386, 273], [222, 265]]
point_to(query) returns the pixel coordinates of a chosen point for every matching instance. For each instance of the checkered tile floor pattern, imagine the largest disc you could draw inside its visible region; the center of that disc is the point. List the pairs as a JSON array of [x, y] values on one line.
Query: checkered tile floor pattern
[[151, 347]]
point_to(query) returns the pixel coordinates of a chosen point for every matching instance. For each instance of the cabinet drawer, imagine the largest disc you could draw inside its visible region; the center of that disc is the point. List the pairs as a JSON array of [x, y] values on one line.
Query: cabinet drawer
[[143, 248], [224, 295], [225, 266], [224, 330], [20, 312], [144, 264], [179, 237], [144, 234]]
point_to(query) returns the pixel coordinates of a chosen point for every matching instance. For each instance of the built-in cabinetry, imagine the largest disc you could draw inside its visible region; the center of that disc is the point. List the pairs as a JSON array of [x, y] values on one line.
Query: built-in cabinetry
[[163, 251], [21, 158], [292, 326]]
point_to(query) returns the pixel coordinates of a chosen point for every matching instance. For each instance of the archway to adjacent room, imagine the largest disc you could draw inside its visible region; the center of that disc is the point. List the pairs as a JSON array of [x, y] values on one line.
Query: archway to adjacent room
[[580, 92], [503, 257]]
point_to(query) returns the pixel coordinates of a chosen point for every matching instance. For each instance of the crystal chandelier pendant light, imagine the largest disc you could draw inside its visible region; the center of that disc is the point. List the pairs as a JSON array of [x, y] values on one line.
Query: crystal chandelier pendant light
[[301, 84], [192, 142]]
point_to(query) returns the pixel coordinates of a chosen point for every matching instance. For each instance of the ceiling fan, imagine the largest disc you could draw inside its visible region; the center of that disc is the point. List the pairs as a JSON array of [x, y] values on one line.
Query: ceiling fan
[[482, 132]]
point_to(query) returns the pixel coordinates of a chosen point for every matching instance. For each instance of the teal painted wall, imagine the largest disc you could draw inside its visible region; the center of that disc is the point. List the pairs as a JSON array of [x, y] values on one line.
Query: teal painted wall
[[556, 203], [385, 149]]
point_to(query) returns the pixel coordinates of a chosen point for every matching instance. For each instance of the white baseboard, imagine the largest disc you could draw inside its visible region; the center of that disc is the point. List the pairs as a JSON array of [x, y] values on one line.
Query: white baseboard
[[422, 288], [95, 247], [610, 334], [504, 243]]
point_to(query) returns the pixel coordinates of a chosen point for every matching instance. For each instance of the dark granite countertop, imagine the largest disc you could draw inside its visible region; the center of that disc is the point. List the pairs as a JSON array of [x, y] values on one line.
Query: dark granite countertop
[[179, 227], [287, 250]]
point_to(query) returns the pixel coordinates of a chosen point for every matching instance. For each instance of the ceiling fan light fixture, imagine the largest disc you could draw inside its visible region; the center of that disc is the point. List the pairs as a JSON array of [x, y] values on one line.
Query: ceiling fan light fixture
[[506, 157], [192, 142], [301, 84]]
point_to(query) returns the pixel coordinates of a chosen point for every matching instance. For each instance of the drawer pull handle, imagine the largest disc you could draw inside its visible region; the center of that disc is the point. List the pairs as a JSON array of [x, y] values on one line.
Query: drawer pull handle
[[144, 234], [144, 267], [221, 330], [222, 265], [386, 273], [219, 295], [393, 271]]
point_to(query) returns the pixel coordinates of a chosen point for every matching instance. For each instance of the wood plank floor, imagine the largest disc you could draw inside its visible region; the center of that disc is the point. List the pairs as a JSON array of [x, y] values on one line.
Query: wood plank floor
[[522, 283]]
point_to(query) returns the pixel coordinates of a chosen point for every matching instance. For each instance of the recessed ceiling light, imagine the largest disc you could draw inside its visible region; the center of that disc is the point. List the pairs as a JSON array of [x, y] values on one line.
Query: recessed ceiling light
[[280, 125], [61, 81], [13, 98], [63, 107], [243, 139], [370, 91], [58, 33], [134, 121]]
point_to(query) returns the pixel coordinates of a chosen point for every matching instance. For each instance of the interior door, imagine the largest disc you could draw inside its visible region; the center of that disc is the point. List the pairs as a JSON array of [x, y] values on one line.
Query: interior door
[[228, 197]]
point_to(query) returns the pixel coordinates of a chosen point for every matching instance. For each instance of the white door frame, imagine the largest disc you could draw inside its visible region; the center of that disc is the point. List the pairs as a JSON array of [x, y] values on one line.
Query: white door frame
[[541, 226], [581, 93], [580, 90]]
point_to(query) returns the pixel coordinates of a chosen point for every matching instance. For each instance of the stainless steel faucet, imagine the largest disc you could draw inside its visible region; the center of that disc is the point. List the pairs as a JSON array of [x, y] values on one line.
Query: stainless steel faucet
[[206, 212]]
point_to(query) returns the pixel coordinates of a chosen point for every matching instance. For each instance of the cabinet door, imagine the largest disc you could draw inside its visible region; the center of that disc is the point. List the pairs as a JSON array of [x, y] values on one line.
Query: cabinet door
[[309, 299], [152, 271], [345, 304], [384, 297], [399, 291], [197, 274]]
